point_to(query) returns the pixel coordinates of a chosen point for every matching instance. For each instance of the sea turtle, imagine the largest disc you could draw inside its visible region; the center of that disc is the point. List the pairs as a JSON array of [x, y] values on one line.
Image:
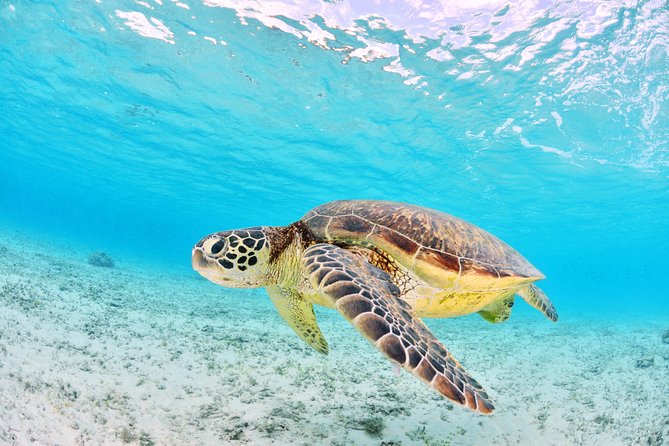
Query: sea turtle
[[383, 266]]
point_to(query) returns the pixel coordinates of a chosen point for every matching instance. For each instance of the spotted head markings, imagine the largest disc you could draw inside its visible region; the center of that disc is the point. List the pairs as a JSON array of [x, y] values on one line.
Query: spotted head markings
[[236, 249]]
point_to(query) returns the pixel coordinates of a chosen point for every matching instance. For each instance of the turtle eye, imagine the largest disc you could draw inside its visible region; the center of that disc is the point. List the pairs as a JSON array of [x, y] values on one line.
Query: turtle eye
[[217, 247]]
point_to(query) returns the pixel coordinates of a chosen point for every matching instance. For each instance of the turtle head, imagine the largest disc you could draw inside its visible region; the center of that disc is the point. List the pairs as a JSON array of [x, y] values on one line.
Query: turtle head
[[235, 259]]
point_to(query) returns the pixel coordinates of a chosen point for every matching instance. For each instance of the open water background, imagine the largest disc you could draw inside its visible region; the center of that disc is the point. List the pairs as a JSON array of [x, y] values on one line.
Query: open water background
[[136, 127]]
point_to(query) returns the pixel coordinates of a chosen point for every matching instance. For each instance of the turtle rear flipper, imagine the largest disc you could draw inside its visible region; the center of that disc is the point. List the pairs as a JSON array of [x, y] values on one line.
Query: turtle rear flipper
[[538, 299], [368, 299], [498, 311]]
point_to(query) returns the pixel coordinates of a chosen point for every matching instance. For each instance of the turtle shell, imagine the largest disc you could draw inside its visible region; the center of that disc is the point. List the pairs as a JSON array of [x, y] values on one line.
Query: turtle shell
[[416, 236]]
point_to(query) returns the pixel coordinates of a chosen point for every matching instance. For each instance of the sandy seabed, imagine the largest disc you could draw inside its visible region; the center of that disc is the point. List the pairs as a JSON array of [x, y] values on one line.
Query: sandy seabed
[[131, 355]]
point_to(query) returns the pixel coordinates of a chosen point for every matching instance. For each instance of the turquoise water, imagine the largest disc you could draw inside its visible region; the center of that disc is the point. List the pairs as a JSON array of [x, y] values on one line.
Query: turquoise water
[[138, 127]]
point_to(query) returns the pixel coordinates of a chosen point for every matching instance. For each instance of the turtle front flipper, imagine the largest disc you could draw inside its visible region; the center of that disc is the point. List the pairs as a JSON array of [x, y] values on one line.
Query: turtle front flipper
[[368, 299], [300, 316], [538, 299]]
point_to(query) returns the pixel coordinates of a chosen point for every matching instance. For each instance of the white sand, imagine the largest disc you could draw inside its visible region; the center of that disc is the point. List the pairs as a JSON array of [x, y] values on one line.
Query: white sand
[[92, 355]]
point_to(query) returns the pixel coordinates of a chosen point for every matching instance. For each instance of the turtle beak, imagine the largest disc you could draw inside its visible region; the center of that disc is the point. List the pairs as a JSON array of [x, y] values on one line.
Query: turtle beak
[[200, 263], [208, 268]]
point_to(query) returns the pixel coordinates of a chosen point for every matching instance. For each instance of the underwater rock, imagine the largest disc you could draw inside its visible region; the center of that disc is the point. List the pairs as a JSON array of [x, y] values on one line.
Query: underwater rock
[[99, 258], [644, 363], [665, 337], [3, 250]]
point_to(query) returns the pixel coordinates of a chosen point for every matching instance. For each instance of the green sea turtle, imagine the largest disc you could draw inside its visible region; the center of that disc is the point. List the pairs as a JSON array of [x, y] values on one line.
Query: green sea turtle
[[383, 266]]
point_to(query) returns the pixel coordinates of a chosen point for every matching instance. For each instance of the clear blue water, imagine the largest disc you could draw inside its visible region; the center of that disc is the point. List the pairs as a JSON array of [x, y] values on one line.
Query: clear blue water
[[138, 127]]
